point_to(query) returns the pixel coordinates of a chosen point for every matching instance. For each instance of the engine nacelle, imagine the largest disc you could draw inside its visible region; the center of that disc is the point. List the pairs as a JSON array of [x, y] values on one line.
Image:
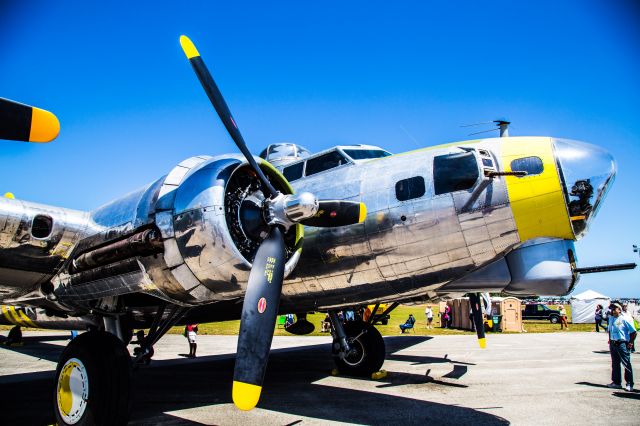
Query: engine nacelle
[[211, 223], [207, 212]]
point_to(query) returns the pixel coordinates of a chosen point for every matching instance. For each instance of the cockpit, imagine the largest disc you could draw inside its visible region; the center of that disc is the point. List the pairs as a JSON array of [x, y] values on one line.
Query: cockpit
[[329, 159], [586, 172]]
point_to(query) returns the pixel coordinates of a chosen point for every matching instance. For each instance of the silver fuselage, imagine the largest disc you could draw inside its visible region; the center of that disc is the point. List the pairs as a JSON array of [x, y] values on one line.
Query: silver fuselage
[[425, 247]]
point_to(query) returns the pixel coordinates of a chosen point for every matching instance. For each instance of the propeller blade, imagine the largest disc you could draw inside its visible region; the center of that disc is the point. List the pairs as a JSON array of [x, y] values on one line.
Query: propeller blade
[[478, 320], [22, 122], [337, 213], [257, 323], [221, 107]]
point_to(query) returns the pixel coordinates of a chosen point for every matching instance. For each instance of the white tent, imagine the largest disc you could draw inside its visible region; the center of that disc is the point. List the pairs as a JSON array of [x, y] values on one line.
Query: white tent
[[583, 306]]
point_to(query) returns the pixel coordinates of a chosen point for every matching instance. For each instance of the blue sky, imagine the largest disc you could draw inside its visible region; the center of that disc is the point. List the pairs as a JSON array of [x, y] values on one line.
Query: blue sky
[[401, 75]]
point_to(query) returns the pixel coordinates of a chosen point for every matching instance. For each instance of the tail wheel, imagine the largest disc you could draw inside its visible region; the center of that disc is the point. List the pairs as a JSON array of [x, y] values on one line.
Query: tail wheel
[[93, 381], [368, 351]]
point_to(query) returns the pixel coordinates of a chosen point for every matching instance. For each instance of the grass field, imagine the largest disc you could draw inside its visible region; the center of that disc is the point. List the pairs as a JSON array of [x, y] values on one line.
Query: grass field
[[398, 316]]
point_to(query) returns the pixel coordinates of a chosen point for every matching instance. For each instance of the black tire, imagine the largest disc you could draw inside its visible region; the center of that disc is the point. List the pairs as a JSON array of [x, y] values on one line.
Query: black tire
[[369, 351], [106, 389], [554, 319]]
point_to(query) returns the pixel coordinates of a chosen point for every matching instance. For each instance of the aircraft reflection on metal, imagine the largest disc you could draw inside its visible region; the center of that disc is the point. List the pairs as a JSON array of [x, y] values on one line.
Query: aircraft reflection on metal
[[222, 238]]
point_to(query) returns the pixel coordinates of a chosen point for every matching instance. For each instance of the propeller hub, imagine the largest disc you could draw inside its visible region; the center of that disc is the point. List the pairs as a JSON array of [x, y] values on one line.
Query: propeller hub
[[287, 210]]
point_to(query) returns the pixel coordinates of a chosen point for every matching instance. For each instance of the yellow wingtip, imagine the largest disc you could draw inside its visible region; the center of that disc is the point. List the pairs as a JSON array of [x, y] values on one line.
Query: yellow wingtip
[[482, 342], [363, 212], [9, 195], [188, 47], [245, 395], [45, 126]]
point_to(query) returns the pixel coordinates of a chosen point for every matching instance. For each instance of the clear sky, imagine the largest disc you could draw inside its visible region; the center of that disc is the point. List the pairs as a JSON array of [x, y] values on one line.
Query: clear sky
[[400, 75]]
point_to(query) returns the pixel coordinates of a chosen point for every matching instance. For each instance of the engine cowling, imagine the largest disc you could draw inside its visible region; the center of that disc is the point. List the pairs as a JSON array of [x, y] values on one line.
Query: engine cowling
[[208, 212], [188, 238]]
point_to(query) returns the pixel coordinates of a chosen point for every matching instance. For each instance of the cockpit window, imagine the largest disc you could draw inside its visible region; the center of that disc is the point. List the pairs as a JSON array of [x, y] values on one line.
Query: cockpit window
[[531, 165], [365, 154], [293, 171], [325, 162], [454, 172]]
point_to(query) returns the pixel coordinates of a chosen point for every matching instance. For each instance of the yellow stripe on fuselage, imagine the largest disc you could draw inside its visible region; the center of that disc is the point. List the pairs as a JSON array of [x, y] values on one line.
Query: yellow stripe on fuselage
[[5, 312], [537, 201], [24, 318]]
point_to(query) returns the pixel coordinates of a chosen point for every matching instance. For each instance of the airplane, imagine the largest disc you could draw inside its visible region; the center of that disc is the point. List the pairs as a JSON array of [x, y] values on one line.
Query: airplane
[[237, 236]]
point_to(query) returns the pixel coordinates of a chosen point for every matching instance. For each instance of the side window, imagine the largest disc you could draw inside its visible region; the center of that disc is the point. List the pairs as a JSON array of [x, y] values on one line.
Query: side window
[[293, 171], [540, 308], [531, 165], [42, 226], [454, 172], [325, 162], [407, 189]]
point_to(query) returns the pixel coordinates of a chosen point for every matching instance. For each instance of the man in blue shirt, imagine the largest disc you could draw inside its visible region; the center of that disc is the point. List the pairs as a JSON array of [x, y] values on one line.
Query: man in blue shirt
[[622, 334]]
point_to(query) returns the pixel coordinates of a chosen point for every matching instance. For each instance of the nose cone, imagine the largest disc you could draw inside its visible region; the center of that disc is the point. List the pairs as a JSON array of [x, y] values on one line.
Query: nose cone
[[587, 172]]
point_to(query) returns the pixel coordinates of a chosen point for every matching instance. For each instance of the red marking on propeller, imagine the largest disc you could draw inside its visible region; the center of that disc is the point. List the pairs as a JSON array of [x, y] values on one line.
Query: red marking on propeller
[[262, 305], [234, 122]]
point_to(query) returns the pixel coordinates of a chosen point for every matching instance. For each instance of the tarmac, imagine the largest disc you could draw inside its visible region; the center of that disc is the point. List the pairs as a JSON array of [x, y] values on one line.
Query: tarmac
[[523, 379]]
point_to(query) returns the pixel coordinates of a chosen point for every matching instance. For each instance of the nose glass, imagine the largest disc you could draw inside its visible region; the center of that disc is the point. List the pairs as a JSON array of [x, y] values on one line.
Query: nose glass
[[587, 172]]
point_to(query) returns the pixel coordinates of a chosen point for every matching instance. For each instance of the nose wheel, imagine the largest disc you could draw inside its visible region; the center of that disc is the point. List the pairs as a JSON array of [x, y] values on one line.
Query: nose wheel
[[93, 381], [366, 350]]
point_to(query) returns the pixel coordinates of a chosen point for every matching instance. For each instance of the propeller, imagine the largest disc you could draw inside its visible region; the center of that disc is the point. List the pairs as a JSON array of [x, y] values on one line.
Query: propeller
[[22, 122], [478, 320], [279, 212]]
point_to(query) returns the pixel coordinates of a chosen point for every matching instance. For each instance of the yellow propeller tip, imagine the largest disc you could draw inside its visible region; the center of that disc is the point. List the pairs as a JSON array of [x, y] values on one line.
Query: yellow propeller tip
[[188, 47], [245, 395], [482, 342], [45, 126], [363, 213], [9, 195]]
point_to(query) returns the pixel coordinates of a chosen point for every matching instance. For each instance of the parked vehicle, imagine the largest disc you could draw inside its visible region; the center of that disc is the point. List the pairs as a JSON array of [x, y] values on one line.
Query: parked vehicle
[[540, 312], [384, 320]]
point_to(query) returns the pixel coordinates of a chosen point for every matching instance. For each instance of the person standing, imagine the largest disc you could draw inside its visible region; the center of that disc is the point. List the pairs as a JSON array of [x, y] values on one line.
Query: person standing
[[627, 315], [445, 316], [622, 335], [598, 317], [191, 331], [429, 313], [563, 317]]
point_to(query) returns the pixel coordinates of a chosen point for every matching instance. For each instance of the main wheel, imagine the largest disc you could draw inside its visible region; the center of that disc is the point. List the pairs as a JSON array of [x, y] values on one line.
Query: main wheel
[[93, 381], [554, 319], [368, 351]]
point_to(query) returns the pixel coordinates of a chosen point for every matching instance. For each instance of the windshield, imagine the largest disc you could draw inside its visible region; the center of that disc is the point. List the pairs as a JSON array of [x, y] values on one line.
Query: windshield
[[587, 173], [366, 154]]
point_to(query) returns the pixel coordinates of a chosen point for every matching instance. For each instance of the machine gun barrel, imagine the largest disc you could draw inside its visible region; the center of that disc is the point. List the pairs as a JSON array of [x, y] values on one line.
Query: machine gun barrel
[[606, 268]]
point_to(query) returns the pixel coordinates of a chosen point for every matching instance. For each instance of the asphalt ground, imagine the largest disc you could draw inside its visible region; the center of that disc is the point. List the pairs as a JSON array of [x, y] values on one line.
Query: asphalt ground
[[536, 379]]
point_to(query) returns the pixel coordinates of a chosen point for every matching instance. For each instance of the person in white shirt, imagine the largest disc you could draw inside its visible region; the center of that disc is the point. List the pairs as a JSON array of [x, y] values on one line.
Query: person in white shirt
[[622, 335], [429, 313]]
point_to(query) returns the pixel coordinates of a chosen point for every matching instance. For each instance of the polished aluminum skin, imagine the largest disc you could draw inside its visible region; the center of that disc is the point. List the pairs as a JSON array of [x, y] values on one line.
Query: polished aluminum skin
[[428, 246]]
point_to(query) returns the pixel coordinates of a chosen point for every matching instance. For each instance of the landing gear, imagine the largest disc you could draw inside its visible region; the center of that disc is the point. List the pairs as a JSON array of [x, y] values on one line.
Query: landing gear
[[93, 378], [366, 350], [93, 381], [14, 338]]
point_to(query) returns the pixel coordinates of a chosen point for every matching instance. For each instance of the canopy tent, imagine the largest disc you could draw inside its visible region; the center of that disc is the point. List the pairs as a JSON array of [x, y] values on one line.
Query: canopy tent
[[583, 306]]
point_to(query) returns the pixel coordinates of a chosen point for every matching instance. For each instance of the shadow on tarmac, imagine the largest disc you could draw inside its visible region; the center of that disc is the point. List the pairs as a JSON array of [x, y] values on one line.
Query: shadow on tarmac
[[290, 387]]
